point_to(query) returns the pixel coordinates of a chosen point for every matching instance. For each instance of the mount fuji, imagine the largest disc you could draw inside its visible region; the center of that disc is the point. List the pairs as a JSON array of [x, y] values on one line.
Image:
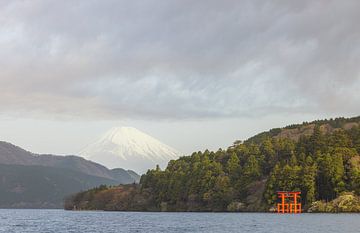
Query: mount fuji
[[129, 148]]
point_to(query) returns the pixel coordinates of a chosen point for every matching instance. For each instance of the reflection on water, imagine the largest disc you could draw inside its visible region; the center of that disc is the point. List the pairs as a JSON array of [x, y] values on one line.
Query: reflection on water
[[87, 221]]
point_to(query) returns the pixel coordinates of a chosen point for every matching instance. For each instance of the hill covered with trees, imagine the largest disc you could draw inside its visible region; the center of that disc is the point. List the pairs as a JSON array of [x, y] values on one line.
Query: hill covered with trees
[[29, 180], [321, 159]]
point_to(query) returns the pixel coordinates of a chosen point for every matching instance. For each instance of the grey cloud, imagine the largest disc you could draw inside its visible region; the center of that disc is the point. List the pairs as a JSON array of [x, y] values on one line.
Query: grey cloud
[[179, 59]]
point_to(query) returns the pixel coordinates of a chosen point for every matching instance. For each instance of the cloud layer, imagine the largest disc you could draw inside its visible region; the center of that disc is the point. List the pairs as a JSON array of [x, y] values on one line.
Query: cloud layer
[[179, 59]]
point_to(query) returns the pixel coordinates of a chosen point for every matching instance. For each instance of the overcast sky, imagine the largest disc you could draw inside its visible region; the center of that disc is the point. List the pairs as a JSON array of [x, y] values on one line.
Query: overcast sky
[[194, 74]]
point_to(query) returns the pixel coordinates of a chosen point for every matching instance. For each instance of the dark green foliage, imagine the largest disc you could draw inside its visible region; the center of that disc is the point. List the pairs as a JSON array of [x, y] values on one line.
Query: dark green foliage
[[320, 165], [347, 202]]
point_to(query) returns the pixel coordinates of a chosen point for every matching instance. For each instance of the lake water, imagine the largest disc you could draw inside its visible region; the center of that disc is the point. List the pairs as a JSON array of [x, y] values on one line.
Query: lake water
[[37, 221]]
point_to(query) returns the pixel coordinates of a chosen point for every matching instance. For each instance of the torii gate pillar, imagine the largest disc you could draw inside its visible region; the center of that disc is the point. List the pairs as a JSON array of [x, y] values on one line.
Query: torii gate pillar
[[289, 202]]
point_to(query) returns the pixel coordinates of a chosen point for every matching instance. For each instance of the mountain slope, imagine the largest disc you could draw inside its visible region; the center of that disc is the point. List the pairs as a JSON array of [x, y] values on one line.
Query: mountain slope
[[29, 180], [321, 159], [42, 187], [11, 154], [295, 131], [130, 148]]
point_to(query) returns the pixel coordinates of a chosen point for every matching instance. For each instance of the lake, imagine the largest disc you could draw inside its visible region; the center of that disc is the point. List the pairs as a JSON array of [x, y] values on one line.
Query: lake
[[26, 221]]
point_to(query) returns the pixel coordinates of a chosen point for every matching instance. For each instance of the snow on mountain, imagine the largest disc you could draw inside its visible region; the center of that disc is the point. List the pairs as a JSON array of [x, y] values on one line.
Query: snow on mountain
[[129, 148]]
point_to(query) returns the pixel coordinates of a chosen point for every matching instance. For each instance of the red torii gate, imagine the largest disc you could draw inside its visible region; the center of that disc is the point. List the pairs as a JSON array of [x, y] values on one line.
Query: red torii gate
[[289, 202]]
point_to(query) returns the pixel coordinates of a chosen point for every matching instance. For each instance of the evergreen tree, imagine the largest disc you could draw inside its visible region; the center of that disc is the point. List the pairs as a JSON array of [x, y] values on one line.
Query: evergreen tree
[[233, 167], [309, 180], [320, 165]]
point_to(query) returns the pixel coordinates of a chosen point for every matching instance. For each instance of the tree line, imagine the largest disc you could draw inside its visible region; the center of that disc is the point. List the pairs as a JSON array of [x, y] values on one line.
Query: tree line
[[246, 176]]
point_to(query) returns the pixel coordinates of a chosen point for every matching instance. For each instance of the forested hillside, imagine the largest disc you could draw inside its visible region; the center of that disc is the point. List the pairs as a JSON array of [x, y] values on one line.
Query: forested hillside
[[320, 159], [42, 187], [29, 180]]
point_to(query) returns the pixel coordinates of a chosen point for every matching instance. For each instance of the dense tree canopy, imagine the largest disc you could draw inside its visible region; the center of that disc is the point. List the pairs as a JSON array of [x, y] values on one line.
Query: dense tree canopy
[[246, 176]]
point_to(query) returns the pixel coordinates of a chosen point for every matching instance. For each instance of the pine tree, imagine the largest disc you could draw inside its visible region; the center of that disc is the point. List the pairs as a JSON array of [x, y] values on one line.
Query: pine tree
[[309, 179], [233, 167]]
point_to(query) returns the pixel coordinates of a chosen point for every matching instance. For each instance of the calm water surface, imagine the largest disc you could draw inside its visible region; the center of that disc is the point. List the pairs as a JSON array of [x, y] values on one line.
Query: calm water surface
[[67, 221]]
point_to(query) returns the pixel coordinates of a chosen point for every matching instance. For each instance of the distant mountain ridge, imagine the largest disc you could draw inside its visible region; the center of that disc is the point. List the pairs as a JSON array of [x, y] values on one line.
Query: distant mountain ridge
[[11, 154], [29, 180], [42, 187], [130, 148]]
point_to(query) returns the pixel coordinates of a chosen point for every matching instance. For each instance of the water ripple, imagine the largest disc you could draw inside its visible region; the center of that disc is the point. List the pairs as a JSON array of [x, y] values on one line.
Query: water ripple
[[55, 221]]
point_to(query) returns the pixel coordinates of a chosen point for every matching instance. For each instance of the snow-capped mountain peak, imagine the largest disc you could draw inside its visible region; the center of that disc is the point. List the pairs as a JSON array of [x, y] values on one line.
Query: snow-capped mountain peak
[[129, 148]]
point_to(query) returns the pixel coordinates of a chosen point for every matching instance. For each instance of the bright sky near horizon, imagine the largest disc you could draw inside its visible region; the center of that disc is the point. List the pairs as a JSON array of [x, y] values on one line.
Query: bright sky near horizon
[[194, 74]]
